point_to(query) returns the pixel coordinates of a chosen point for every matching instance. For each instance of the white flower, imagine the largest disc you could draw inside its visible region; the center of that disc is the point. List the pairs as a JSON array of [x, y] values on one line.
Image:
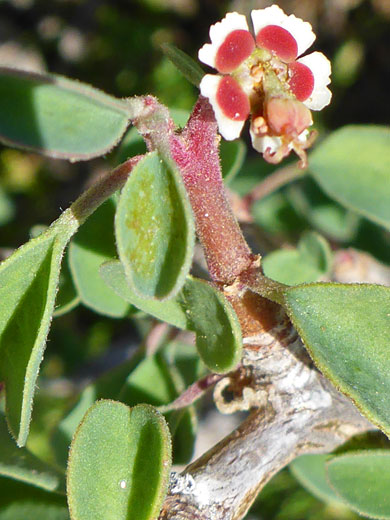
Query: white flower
[[255, 70]]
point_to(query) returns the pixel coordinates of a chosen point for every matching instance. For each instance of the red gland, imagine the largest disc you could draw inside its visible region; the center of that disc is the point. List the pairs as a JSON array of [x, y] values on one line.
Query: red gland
[[278, 40], [301, 80], [287, 117], [232, 100], [236, 48]]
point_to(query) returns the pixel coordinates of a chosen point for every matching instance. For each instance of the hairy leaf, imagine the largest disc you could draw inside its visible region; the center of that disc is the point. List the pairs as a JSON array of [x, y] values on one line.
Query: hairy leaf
[[119, 463], [154, 229], [362, 480], [28, 285], [197, 307], [346, 329], [59, 117]]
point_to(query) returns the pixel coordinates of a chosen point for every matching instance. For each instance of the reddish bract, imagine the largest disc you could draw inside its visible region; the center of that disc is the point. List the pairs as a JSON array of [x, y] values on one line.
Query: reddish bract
[[301, 80], [232, 100], [237, 46], [278, 40]]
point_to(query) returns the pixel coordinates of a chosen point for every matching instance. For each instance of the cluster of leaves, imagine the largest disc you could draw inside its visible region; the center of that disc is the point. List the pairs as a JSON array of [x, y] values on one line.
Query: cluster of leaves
[[154, 231]]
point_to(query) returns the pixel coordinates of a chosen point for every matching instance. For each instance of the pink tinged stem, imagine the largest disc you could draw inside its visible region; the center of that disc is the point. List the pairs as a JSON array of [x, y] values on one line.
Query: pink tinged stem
[[196, 152]]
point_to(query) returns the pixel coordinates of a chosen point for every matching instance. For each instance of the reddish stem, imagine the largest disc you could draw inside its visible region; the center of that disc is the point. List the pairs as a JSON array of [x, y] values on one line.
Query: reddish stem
[[196, 152]]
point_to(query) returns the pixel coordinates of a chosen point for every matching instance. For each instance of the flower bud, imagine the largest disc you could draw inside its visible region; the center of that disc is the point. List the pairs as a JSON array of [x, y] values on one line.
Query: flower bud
[[287, 117]]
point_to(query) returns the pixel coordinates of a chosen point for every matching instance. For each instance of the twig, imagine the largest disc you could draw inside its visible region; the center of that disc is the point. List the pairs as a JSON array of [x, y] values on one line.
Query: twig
[[192, 393], [295, 411], [273, 182]]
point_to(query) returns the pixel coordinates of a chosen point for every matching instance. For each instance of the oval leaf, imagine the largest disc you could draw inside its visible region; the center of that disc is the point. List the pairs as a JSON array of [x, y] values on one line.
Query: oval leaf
[[154, 229], [106, 386], [20, 464], [171, 311], [352, 166], [119, 463], [19, 501], [28, 285], [346, 329], [362, 480], [307, 263], [93, 245], [212, 318], [163, 368], [310, 471], [57, 116], [197, 307]]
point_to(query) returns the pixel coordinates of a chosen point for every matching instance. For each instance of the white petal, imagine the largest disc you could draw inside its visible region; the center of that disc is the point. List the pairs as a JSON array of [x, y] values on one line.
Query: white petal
[[320, 66], [218, 33], [262, 143], [273, 142], [302, 31], [228, 128]]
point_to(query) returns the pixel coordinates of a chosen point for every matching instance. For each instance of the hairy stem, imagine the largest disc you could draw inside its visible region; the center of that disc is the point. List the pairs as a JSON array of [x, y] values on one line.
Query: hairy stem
[[195, 152], [111, 182], [227, 253]]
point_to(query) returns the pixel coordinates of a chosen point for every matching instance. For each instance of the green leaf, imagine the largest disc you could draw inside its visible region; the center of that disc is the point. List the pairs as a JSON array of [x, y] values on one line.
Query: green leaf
[[307, 263], [212, 318], [352, 166], [57, 116], [19, 501], [93, 245], [137, 388], [324, 214], [119, 463], [20, 464], [310, 471], [163, 368], [197, 307], [232, 155], [154, 229], [275, 215], [346, 329], [28, 285], [362, 480], [190, 69], [171, 311], [107, 386]]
